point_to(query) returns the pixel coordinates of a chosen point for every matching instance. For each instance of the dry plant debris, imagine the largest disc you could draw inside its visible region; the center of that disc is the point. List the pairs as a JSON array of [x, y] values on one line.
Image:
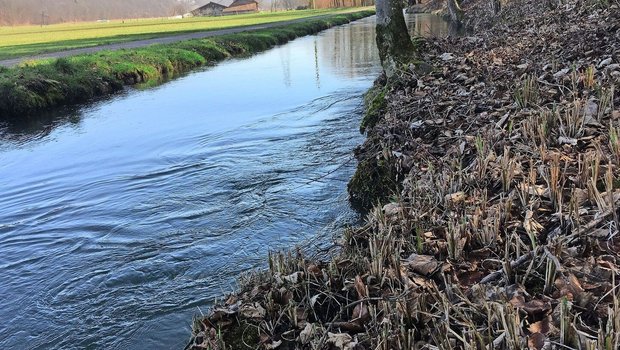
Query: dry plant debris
[[504, 234]]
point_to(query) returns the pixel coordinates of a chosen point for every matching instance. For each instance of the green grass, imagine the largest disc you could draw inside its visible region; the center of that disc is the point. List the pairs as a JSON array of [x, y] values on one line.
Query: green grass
[[39, 85], [31, 40]]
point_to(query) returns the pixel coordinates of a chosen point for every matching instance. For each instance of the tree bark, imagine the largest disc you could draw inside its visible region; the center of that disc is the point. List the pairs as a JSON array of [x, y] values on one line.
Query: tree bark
[[393, 40], [455, 12], [497, 6]]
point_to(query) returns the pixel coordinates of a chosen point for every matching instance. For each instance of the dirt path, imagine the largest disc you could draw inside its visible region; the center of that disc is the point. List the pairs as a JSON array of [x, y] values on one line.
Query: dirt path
[[163, 40]]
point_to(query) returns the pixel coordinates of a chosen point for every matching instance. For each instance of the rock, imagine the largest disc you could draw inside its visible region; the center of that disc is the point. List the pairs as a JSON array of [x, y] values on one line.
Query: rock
[[523, 66]]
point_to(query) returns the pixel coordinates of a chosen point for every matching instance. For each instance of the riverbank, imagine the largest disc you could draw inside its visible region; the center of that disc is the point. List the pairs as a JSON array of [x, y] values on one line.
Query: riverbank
[[40, 85], [498, 223], [19, 43]]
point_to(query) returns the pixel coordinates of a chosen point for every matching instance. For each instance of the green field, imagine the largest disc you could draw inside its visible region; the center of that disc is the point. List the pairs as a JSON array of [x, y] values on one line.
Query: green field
[[31, 40]]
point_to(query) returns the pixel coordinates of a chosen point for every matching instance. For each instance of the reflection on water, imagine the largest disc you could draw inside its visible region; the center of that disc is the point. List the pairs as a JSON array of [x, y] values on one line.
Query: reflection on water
[[358, 43], [119, 219]]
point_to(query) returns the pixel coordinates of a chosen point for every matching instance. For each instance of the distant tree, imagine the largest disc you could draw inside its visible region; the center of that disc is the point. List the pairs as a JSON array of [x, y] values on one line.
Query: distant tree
[[180, 8], [29, 11]]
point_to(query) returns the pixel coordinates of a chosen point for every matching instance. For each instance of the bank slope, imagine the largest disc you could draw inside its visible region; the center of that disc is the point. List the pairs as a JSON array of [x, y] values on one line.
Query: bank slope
[[498, 223]]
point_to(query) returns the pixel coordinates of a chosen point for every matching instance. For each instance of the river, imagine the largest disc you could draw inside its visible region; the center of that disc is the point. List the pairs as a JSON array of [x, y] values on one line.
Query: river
[[123, 218]]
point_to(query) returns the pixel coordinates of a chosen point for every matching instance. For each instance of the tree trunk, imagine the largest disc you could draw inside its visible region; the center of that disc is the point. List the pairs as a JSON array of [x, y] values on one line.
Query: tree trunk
[[393, 40], [456, 14], [497, 6]]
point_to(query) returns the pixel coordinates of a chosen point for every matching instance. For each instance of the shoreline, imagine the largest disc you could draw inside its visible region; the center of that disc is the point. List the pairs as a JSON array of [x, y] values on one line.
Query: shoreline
[[496, 164], [163, 38], [37, 86]]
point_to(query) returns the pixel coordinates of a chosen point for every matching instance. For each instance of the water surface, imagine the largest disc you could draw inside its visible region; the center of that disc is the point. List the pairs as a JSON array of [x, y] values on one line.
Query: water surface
[[121, 219]]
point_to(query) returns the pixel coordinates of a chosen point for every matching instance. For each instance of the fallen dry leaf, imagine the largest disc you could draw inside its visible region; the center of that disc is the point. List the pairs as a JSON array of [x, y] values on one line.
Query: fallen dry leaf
[[536, 341], [536, 307], [341, 341], [456, 197], [423, 264], [252, 311], [294, 277], [360, 313], [543, 326], [307, 333], [360, 288], [532, 227], [273, 345], [392, 209]]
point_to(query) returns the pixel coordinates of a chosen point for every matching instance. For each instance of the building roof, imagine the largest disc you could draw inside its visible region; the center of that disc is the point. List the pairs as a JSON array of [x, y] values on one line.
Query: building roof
[[242, 2], [210, 4]]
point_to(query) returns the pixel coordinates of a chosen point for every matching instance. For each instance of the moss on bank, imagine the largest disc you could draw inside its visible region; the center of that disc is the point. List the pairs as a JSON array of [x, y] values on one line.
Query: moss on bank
[[373, 183], [39, 85], [374, 106]]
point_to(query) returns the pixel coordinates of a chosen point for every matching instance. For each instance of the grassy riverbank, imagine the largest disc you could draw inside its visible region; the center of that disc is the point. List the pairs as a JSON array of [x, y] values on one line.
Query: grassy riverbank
[[499, 174], [40, 85], [21, 41]]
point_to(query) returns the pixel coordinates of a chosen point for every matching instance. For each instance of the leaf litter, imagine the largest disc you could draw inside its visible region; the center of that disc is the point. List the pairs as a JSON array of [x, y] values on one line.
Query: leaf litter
[[503, 233]]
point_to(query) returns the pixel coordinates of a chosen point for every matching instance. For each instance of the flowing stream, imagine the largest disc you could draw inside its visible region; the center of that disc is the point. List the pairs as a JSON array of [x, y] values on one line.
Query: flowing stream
[[121, 219]]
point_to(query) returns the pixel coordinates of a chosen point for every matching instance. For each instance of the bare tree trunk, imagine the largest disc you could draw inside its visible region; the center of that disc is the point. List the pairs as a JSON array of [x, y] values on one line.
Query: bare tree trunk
[[393, 40], [497, 6], [455, 12]]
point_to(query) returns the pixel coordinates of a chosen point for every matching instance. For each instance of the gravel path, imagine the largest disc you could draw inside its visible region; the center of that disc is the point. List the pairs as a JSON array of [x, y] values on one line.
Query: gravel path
[[163, 40]]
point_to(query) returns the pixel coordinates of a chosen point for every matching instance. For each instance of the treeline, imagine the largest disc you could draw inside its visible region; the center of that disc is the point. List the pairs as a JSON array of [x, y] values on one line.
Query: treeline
[[16, 12]]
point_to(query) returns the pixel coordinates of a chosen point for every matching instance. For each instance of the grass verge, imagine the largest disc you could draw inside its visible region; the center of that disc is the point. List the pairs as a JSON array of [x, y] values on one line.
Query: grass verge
[[31, 40], [40, 85]]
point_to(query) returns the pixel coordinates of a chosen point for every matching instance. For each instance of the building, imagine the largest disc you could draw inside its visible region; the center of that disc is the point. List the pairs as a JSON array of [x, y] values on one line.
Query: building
[[241, 6], [210, 9]]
